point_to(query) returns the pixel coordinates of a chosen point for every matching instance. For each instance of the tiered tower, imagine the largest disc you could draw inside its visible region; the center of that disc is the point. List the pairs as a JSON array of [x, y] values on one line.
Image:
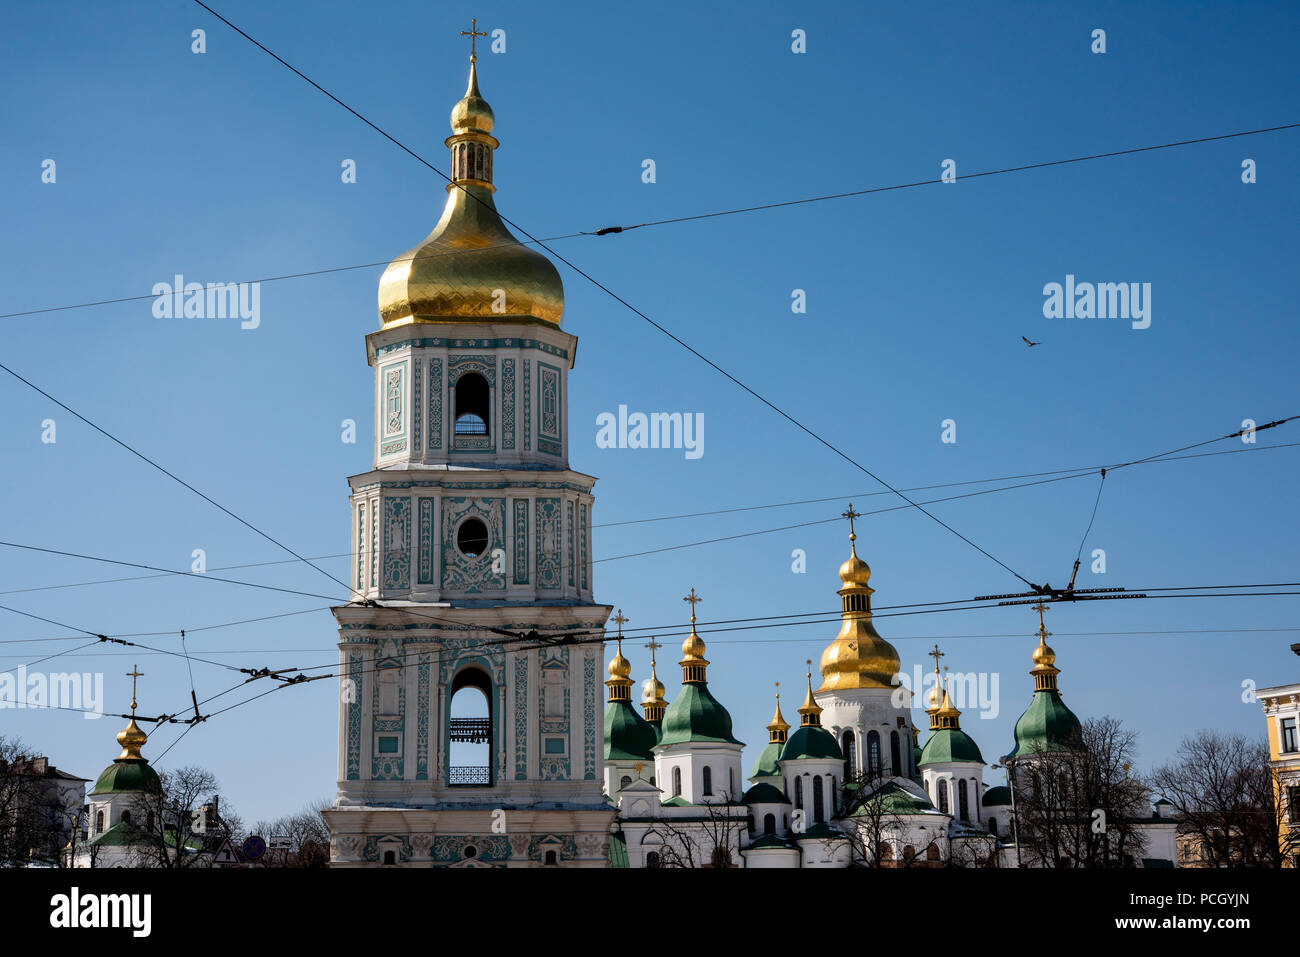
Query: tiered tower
[[471, 559]]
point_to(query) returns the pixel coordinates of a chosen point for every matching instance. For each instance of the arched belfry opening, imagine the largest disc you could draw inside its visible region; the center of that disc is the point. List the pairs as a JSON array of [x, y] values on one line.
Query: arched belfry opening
[[472, 405], [469, 729]]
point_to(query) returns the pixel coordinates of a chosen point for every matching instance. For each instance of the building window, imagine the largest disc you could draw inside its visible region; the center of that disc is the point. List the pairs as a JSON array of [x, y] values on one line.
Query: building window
[[873, 753], [390, 857], [963, 805], [1294, 801], [993, 825], [849, 744], [942, 787], [769, 823], [895, 755], [652, 859], [677, 782], [708, 782], [99, 822], [798, 792], [731, 783], [551, 860], [721, 857], [471, 405], [472, 538], [469, 730], [624, 782], [126, 817], [819, 801], [1289, 744]]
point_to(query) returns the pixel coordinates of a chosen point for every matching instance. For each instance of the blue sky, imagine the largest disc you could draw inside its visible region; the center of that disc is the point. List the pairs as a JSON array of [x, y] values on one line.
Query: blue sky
[[224, 166]]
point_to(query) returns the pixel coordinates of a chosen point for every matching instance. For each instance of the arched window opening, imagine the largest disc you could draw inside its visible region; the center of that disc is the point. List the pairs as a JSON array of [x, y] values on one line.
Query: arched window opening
[[652, 859], [469, 730], [932, 852], [708, 782], [624, 781], [126, 817], [895, 754], [99, 822], [873, 753], [942, 787], [731, 783], [769, 823], [819, 800], [472, 538], [909, 852], [993, 825], [390, 857], [471, 405], [798, 793], [849, 745], [148, 822], [551, 860], [677, 782], [963, 804]]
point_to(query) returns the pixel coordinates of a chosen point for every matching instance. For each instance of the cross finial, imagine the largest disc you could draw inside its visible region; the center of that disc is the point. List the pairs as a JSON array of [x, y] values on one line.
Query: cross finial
[[620, 621], [1042, 626], [133, 674], [851, 515], [936, 655], [652, 645], [473, 33], [778, 694], [694, 599]]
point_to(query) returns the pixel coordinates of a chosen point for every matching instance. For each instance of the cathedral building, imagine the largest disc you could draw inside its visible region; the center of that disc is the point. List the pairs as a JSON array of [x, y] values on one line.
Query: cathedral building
[[470, 731]]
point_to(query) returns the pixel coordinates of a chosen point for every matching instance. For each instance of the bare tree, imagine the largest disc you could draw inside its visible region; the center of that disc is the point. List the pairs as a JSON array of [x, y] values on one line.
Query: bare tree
[[31, 819], [183, 824], [308, 834], [712, 841], [873, 823], [1225, 793], [1078, 804]]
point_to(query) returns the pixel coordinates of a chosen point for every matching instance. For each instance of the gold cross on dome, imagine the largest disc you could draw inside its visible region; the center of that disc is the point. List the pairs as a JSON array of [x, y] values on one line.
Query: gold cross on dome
[[652, 645], [1042, 626], [851, 515], [620, 621], [473, 33], [694, 599], [936, 655], [133, 674]]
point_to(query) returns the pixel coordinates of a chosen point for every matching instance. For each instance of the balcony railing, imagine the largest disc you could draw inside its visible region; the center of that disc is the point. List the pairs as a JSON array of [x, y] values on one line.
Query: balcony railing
[[469, 775], [471, 730]]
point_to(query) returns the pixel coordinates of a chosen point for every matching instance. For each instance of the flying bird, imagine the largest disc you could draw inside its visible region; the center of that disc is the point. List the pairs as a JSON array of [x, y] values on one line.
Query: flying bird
[[1031, 344]]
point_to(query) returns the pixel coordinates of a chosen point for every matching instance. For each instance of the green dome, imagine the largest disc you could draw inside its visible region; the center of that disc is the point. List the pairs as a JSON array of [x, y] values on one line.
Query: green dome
[[127, 774], [765, 766], [628, 736], [1046, 725], [949, 744], [893, 799], [812, 741], [999, 796], [764, 794], [696, 716]]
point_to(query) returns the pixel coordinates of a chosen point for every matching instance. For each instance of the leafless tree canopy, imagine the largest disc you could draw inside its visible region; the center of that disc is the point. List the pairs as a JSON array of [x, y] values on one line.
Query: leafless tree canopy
[[1223, 788], [308, 834], [1077, 806]]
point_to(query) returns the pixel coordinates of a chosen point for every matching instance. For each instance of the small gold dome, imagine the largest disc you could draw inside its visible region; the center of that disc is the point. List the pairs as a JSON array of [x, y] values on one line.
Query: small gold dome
[[947, 709], [1044, 656], [652, 690], [855, 571], [472, 113], [132, 739], [693, 646], [619, 667], [934, 697]]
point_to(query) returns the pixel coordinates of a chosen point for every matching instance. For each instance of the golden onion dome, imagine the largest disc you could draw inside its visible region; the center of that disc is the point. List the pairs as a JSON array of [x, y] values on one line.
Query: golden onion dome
[[1044, 656], [858, 657], [693, 646], [619, 667], [471, 268], [132, 739], [934, 697], [652, 690]]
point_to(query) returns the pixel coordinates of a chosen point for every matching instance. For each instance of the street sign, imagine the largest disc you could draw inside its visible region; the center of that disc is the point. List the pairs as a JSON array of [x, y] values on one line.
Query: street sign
[[279, 842], [225, 855], [254, 847]]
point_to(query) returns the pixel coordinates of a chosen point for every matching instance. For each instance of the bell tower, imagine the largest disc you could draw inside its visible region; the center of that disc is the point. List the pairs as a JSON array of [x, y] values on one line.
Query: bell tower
[[471, 560]]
